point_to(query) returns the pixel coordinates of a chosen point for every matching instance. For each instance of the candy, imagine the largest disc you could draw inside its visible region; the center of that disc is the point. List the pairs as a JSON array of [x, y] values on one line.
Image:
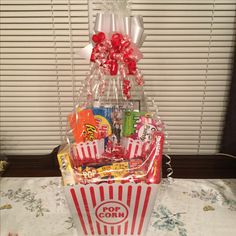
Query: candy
[[130, 119], [123, 171], [104, 122], [145, 127], [84, 126], [100, 154], [64, 161], [154, 172]]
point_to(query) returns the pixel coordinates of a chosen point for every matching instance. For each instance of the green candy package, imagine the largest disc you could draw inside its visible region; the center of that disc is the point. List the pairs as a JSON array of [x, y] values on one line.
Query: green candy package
[[130, 119]]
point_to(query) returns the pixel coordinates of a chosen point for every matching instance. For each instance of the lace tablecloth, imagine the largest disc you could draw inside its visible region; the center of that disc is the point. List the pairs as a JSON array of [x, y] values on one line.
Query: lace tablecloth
[[37, 206]]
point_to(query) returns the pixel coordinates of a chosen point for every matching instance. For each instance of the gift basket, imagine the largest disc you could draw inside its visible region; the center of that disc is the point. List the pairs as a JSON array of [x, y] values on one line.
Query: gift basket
[[111, 164]]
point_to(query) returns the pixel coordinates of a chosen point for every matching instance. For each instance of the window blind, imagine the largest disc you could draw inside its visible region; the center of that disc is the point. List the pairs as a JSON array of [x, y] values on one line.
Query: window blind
[[187, 67]]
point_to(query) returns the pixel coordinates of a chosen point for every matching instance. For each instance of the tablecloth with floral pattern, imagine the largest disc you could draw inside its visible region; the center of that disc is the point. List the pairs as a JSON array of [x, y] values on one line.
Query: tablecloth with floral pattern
[[37, 206]]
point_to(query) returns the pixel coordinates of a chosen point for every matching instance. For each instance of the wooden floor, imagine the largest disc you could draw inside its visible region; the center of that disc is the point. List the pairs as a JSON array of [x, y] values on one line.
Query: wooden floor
[[197, 167]]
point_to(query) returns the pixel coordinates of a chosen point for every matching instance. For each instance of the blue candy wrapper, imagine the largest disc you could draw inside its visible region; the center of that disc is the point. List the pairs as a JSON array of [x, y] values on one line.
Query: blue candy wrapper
[[109, 122], [103, 117]]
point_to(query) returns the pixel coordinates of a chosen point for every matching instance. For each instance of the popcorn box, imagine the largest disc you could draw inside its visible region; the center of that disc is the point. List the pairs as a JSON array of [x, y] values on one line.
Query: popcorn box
[[133, 147], [88, 151], [111, 209]]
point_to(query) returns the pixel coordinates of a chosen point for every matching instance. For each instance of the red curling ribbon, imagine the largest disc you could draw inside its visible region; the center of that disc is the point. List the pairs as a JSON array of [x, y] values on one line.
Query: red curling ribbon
[[126, 57], [125, 44], [92, 57], [117, 53], [132, 67], [111, 54], [114, 68], [116, 40], [123, 72], [139, 78], [126, 88], [128, 51]]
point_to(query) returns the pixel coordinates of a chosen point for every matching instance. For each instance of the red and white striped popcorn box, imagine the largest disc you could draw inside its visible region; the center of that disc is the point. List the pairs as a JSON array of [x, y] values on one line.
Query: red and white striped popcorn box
[[132, 147], [111, 209], [88, 151]]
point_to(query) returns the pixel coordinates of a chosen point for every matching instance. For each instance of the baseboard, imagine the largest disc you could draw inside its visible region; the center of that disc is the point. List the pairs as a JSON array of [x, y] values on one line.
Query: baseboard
[[184, 166]]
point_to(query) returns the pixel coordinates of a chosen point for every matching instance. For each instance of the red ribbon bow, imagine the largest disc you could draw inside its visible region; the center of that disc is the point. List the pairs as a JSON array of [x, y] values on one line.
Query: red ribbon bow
[[116, 54]]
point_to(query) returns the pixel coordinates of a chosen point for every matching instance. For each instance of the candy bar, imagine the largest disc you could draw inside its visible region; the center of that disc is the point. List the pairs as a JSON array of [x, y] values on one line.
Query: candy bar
[[124, 171], [154, 172], [64, 161], [130, 119], [103, 117], [84, 126]]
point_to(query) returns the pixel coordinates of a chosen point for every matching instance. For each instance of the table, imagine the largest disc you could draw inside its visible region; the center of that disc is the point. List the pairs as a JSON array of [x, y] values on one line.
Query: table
[[186, 207]]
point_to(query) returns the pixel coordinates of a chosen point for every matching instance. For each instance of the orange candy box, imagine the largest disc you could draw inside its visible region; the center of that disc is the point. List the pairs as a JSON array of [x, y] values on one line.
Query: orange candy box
[[84, 126]]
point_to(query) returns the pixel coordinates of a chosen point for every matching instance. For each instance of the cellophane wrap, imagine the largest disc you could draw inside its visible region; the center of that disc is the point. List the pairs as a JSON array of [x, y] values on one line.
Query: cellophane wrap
[[111, 163]]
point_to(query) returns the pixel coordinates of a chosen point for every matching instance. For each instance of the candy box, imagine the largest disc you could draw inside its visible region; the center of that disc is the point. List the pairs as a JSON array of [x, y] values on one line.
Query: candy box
[[111, 209], [64, 162]]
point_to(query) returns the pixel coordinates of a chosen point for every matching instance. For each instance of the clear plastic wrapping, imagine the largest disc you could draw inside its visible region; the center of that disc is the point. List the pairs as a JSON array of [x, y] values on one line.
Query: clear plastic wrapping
[[114, 142], [112, 134]]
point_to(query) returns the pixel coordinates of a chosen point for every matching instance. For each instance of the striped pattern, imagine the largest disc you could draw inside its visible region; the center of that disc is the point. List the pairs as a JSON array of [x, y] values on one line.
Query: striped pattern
[[88, 151], [133, 147], [84, 200]]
